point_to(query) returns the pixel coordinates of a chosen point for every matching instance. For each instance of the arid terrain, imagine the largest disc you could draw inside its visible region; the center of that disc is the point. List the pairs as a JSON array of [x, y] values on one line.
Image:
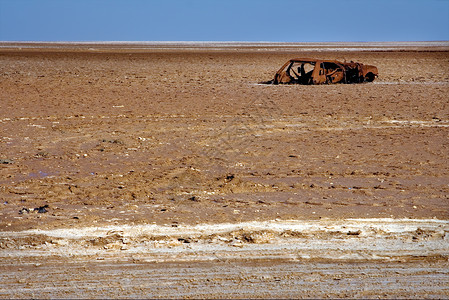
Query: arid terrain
[[167, 170]]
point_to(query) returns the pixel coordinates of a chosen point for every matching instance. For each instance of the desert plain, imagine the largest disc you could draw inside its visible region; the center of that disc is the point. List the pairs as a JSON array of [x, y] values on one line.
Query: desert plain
[[168, 170]]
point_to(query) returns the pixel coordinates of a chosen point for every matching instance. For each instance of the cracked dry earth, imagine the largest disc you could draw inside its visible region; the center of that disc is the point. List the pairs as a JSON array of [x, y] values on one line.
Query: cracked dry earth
[[173, 173]]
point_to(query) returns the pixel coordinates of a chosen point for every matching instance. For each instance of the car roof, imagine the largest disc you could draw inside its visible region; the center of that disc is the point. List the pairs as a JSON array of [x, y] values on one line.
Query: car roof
[[314, 60]]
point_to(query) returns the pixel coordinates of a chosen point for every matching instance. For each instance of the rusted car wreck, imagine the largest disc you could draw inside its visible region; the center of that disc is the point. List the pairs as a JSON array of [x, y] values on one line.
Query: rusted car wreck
[[316, 71]]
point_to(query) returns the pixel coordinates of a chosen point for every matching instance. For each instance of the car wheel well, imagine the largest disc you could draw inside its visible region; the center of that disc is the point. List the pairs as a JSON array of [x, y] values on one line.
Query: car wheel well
[[369, 77]]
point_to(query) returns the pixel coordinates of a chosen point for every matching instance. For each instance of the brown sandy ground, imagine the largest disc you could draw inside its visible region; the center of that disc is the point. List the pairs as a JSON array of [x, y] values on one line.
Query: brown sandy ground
[[173, 137], [190, 137]]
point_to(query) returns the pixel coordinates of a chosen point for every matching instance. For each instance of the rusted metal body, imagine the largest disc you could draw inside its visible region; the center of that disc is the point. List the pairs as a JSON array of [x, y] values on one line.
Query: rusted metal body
[[316, 71]]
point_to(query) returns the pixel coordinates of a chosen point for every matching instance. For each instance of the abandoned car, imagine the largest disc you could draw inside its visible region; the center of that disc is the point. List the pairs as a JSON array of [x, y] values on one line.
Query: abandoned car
[[316, 71]]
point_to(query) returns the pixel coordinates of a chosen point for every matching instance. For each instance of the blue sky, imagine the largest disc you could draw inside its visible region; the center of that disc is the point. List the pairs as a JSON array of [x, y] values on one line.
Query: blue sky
[[225, 20]]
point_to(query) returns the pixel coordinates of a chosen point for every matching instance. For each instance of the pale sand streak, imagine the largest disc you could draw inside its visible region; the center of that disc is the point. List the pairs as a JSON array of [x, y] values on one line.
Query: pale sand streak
[[361, 239]]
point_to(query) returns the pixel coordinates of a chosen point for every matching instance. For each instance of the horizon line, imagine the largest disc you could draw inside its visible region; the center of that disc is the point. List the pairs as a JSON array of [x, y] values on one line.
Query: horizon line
[[217, 42]]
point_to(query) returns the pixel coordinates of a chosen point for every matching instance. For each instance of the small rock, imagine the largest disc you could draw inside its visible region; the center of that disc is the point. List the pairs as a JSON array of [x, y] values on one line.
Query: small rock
[[60, 242], [24, 210], [230, 177], [6, 161], [194, 198], [237, 243], [183, 240], [42, 209], [358, 232], [43, 154]]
